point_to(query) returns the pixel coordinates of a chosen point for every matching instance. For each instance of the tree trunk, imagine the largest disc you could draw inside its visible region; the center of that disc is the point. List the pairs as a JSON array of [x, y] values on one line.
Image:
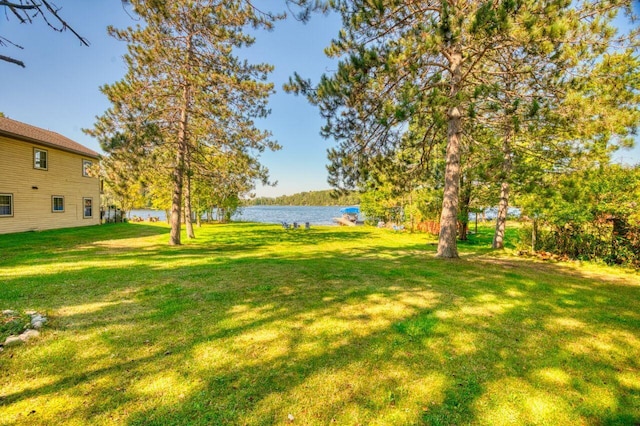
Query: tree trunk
[[411, 210], [534, 235], [178, 172], [187, 206], [464, 230], [501, 221], [503, 206], [176, 197], [447, 247], [619, 238], [465, 200], [181, 156]]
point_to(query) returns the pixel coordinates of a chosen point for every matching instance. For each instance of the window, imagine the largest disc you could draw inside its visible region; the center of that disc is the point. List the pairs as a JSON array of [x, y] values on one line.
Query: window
[[6, 205], [40, 159], [88, 207], [86, 168], [57, 204]]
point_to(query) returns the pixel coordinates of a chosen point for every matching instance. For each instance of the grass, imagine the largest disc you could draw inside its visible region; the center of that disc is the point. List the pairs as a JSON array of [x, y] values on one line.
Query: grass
[[252, 324]]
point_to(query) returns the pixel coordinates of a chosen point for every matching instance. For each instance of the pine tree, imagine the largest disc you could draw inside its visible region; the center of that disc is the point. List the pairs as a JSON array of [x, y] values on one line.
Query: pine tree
[[432, 62], [411, 61], [184, 78], [536, 87]]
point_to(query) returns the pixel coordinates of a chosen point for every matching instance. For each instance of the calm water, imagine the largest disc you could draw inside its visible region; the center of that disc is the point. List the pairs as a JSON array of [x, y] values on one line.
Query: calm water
[[301, 214], [270, 214], [276, 214]]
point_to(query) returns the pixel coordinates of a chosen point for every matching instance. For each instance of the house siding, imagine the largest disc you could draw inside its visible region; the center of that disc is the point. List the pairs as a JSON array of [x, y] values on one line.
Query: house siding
[[32, 208]]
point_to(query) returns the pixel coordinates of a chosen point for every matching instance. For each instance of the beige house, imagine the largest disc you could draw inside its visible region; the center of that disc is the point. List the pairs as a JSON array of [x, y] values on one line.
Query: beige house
[[45, 181]]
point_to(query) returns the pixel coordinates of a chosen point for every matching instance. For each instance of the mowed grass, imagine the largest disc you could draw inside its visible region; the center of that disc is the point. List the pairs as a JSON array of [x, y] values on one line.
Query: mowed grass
[[251, 324]]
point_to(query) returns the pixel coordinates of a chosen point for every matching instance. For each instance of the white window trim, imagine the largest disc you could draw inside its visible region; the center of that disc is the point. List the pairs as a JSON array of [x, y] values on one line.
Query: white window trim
[[84, 199], [35, 166], [83, 168], [53, 210], [5, 194]]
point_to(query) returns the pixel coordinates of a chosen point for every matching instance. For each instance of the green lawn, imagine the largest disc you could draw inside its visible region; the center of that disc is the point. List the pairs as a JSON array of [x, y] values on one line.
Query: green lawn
[[252, 324]]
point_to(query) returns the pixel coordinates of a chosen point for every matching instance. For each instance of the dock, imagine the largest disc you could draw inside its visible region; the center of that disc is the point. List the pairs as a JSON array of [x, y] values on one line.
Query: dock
[[343, 221]]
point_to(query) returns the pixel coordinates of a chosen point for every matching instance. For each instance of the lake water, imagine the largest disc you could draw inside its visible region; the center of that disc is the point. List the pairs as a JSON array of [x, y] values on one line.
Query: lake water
[[315, 215]]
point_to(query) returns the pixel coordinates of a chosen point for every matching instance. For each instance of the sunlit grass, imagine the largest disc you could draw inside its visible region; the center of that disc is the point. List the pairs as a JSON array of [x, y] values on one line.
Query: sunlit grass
[[253, 324]]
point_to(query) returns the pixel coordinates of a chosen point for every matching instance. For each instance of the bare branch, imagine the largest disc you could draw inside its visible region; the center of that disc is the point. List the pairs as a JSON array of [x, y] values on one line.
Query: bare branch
[[21, 12], [18, 5], [65, 26], [13, 61], [4, 40]]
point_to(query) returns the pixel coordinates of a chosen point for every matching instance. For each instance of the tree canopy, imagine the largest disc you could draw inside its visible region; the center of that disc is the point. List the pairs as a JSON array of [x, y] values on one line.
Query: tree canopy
[[187, 100], [462, 80]]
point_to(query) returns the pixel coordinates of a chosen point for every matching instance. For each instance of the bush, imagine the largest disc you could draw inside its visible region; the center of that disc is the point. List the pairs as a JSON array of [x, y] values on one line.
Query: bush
[[591, 241]]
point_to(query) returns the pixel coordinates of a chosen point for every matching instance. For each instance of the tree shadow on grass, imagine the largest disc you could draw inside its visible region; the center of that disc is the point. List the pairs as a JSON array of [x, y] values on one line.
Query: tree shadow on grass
[[43, 246], [381, 335], [71, 246]]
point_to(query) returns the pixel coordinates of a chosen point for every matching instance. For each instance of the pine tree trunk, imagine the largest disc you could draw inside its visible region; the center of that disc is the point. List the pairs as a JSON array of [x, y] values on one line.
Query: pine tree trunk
[[465, 200], [188, 217], [411, 210], [181, 156], [503, 206], [187, 208], [176, 197], [501, 221], [447, 247], [178, 173]]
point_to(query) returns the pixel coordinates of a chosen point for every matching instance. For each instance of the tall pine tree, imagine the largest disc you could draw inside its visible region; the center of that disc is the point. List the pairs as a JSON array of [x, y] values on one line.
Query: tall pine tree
[[185, 79], [432, 61]]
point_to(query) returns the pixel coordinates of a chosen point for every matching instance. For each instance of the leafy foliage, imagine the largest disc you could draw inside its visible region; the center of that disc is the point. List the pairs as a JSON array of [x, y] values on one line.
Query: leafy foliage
[[188, 102], [592, 214], [406, 209], [504, 85]]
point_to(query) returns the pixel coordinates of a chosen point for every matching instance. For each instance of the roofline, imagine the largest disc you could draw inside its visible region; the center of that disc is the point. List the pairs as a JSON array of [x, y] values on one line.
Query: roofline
[[95, 155]]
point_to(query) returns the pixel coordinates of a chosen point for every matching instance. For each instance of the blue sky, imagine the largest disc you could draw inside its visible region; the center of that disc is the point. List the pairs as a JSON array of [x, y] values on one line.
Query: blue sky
[[59, 88]]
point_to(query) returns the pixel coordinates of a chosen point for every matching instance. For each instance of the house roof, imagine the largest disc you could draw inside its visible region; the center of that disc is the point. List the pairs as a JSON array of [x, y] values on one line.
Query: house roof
[[25, 132]]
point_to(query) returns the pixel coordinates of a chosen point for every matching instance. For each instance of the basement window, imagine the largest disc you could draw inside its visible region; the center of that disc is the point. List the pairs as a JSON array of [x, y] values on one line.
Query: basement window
[[88, 208], [57, 204], [6, 205]]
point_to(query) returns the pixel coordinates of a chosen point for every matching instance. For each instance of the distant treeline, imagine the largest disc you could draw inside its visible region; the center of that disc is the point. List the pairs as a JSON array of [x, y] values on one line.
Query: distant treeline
[[311, 198]]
